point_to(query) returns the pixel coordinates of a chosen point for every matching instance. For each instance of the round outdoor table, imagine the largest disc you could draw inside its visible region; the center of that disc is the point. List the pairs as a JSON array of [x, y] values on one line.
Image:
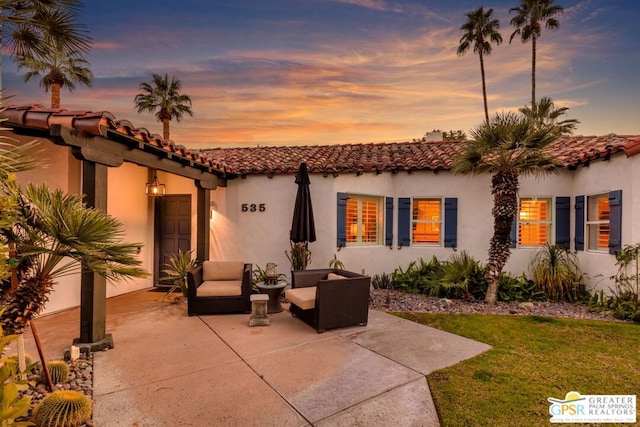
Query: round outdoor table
[[274, 292]]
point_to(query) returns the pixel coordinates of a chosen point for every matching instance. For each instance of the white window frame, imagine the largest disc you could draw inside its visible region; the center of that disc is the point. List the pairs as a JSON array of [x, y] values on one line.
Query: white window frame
[[550, 222], [591, 224], [358, 225]]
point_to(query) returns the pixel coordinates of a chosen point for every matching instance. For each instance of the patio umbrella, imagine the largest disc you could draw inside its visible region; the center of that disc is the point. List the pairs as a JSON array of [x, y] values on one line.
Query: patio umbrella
[[303, 228]]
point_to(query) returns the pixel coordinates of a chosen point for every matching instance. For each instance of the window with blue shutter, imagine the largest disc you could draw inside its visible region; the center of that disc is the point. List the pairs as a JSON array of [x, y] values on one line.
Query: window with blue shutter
[[451, 222], [404, 221], [514, 232], [563, 222], [342, 220], [615, 221], [579, 226], [388, 222]]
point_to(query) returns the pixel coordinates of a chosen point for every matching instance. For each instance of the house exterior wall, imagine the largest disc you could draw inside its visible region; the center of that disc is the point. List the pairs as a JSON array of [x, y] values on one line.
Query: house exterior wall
[[619, 173], [261, 237]]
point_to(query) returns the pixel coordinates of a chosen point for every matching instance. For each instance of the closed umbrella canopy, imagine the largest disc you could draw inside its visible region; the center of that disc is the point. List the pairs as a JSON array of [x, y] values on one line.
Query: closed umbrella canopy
[[303, 228]]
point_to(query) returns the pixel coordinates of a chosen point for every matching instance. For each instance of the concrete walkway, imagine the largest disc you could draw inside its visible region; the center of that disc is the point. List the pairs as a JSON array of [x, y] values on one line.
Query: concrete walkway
[[168, 369]]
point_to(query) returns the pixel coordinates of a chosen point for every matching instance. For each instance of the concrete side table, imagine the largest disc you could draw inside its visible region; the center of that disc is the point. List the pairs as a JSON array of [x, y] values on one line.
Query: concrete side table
[[274, 292], [259, 310]]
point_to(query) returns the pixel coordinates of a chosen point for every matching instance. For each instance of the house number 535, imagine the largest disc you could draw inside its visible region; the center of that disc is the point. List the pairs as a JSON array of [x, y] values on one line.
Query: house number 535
[[252, 207]]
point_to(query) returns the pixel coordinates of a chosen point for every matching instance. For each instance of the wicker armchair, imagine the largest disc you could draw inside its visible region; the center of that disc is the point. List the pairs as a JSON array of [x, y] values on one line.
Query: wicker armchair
[[329, 298], [216, 287]]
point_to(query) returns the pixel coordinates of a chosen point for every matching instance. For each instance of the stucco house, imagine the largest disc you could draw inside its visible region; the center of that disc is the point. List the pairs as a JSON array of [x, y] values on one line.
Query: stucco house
[[376, 206]]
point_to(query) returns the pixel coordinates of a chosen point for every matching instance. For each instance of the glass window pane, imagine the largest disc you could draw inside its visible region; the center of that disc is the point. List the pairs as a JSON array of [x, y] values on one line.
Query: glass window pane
[[534, 225], [370, 220], [352, 220]]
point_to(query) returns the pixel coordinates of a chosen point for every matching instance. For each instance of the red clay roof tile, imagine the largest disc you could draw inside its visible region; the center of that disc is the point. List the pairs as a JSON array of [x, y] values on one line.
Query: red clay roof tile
[[359, 158]]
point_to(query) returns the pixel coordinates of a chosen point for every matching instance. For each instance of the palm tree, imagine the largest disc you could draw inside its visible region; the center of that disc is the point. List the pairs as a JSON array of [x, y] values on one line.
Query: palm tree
[[165, 99], [57, 235], [546, 113], [530, 16], [56, 70], [480, 31], [30, 25], [509, 146]]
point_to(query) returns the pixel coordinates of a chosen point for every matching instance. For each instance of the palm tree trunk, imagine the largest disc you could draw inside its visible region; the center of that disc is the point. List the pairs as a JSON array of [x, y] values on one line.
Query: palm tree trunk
[[55, 95], [165, 128], [533, 74], [484, 88], [504, 187]]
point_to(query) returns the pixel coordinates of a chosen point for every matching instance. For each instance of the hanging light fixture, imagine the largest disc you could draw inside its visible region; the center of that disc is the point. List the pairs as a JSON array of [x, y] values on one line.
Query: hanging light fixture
[[154, 188]]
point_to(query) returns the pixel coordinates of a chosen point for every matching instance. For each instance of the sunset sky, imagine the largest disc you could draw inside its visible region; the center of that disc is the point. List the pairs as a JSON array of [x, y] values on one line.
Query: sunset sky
[[299, 72]]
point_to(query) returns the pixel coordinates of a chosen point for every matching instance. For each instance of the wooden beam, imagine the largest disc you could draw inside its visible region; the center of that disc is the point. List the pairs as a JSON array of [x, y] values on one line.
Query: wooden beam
[[112, 153]]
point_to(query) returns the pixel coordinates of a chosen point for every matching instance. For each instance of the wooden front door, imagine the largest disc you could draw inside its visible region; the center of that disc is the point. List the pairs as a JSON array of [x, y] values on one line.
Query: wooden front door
[[173, 230]]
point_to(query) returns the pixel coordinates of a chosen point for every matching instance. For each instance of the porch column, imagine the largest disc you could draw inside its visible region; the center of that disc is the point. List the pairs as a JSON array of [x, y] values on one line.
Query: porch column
[[203, 219], [93, 286]]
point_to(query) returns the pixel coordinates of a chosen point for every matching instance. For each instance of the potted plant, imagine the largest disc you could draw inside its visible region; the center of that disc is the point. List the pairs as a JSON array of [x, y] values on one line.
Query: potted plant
[[300, 255], [177, 268]]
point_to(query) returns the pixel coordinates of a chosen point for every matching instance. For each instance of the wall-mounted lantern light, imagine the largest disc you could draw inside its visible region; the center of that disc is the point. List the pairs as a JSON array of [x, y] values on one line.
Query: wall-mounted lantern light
[[154, 188]]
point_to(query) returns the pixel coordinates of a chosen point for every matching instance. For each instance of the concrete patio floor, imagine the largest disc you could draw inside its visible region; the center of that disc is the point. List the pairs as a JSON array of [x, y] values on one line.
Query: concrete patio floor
[[168, 369]]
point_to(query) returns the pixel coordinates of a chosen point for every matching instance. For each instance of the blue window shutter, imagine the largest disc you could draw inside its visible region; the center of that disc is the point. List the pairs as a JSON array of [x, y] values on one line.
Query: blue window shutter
[[451, 222], [615, 221], [563, 222], [404, 221], [342, 219], [388, 221], [514, 229], [579, 231]]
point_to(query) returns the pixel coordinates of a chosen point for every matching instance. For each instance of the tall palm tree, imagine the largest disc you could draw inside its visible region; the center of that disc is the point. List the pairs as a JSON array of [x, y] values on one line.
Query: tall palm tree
[[528, 21], [56, 70], [546, 113], [509, 146], [163, 98], [480, 31]]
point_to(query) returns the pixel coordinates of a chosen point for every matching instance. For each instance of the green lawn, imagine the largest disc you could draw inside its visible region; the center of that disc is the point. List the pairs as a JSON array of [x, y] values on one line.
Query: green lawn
[[532, 358]]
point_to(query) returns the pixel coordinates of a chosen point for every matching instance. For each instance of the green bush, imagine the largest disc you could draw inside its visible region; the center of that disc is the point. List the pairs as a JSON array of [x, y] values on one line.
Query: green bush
[[556, 273], [12, 406], [383, 281], [624, 301], [419, 277], [519, 289], [461, 276]]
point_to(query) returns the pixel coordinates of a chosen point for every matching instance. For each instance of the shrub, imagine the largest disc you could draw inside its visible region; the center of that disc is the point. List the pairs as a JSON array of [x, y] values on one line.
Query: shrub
[[419, 277], [12, 406], [462, 277], [383, 281], [519, 289], [64, 408], [557, 274], [624, 302]]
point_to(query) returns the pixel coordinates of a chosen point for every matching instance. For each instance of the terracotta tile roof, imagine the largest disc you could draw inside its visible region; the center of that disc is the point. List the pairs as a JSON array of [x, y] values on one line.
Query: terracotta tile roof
[[328, 159]]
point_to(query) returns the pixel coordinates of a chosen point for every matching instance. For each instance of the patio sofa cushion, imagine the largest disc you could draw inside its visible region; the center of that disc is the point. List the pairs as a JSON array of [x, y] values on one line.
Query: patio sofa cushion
[[219, 288], [305, 298], [334, 276], [222, 270]]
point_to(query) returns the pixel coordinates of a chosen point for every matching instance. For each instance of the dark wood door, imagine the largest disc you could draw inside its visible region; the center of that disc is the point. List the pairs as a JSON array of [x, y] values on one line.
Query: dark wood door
[[173, 230]]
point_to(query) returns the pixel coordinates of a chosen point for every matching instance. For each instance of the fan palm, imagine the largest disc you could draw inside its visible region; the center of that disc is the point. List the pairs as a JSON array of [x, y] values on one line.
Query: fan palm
[[163, 98], [57, 235], [30, 26], [56, 70], [528, 21], [547, 113], [509, 146], [479, 32]]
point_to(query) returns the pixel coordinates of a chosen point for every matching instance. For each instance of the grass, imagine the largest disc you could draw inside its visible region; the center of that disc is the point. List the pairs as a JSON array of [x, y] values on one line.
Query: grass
[[532, 358]]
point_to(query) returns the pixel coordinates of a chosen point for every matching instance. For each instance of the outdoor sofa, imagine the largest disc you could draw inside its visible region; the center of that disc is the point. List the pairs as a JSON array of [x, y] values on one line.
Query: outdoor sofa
[[215, 287], [329, 298]]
